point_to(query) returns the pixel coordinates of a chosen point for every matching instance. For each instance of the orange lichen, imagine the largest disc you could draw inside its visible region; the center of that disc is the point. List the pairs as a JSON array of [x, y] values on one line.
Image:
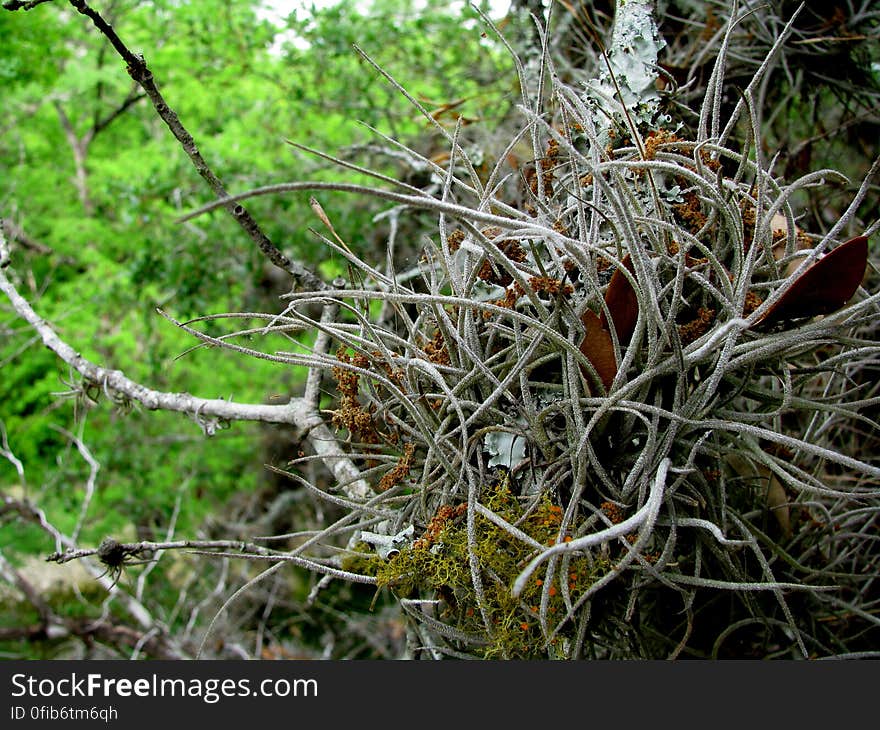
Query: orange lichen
[[436, 349], [442, 517], [400, 471], [550, 285], [613, 512], [697, 327]]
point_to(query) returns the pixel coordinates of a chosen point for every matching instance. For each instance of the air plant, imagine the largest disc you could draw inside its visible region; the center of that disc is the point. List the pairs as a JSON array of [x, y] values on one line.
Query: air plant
[[601, 417]]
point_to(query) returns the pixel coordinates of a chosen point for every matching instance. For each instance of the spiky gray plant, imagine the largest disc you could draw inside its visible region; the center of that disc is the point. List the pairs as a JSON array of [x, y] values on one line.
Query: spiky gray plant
[[617, 343]]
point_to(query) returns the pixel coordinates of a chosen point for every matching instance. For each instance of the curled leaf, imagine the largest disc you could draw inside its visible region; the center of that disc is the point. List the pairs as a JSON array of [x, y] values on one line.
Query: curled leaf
[[598, 348], [824, 287], [622, 303], [623, 308]]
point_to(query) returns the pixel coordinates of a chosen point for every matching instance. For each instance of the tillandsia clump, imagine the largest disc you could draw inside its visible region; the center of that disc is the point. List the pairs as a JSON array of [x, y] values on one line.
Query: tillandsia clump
[[609, 411]]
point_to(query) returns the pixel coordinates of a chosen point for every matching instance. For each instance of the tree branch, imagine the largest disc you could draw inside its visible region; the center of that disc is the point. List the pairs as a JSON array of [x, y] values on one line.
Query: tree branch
[[153, 639], [21, 5], [79, 147], [101, 124], [138, 70], [17, 233], [210, 414]]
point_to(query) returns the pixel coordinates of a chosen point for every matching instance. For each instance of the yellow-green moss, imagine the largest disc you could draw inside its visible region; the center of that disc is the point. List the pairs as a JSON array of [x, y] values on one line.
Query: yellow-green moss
[[437, 566]]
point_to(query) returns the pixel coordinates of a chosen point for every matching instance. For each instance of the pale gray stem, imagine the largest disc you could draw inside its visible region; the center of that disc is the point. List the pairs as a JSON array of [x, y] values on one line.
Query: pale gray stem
[[208, 413]]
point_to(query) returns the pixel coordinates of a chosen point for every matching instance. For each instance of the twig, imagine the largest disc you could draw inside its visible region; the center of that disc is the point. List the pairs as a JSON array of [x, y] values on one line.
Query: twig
[[138, 70], [209, 413]]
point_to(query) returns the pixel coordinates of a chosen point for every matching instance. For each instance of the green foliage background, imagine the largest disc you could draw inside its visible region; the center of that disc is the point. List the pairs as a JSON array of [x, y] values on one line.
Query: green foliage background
[[242, 85]]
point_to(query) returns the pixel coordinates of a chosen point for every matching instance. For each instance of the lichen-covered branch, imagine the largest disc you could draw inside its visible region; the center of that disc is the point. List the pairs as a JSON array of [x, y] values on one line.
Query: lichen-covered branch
[[210, 414], [625, 89]]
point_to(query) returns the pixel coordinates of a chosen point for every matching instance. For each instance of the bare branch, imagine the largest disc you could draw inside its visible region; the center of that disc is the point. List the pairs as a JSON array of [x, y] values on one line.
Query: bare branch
[[94, 467], [6, 453], [116, 555], [22, 5], [153, 639], [79, 147], [210, 414], [17, 233], [100, 125], [138, 70]]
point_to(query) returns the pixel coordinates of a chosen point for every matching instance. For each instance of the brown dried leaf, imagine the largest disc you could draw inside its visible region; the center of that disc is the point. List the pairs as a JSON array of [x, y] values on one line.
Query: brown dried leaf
[[622, 303], [598, 348], [825, 286]]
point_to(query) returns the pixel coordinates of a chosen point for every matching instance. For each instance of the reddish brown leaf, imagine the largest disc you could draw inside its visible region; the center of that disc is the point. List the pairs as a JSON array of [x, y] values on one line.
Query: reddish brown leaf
[[622, 303], [824, 287], [598, 348]]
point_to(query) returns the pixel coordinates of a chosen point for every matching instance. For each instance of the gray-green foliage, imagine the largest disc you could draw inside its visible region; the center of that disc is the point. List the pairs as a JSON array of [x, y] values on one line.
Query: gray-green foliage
[[720, 485], [717, 472]]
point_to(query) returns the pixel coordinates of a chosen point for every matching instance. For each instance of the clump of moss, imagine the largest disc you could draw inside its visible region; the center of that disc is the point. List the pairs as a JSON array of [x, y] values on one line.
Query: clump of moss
[[437, 566]]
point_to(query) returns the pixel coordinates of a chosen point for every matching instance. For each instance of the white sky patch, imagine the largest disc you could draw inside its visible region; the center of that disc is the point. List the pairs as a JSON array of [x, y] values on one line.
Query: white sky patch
[[277, 11]]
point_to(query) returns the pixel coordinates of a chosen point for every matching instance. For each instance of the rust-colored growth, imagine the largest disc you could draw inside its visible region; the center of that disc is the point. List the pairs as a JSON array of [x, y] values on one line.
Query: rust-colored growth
[[351, 415], [753, 301], [455, 240], [712, 163], [394, 374], [824, 287], [697, 327], [357, 420], [509, 300], [346, 380], [436, 349], [550, 285], [655, 139], [690, 212], [444, 514], [547, 164], [511, 249], [400, 471], [514, 251], [613, 512], [490, 275]]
